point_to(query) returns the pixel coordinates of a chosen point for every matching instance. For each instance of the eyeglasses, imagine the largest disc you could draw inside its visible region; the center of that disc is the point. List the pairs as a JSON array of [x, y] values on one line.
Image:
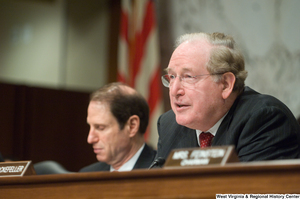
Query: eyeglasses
[[187, 81]]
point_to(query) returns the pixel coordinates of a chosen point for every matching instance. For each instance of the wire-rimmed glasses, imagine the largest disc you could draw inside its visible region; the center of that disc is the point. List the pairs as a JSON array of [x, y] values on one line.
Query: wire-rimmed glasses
[[186, 80]]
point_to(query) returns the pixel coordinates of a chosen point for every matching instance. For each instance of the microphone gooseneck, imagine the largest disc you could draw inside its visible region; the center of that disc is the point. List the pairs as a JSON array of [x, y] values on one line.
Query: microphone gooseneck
[[157, 162]]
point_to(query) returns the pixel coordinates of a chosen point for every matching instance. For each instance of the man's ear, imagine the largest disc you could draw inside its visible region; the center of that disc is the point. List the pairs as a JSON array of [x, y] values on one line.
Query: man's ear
[[134, 124], [228, 81]]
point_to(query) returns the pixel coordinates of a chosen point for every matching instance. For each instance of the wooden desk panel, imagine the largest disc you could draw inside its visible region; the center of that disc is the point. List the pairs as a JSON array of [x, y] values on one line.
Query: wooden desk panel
[[205, 182]]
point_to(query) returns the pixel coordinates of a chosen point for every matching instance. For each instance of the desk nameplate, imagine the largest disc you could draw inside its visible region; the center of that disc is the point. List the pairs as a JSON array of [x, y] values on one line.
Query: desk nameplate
[[16, 168], [195, 157]]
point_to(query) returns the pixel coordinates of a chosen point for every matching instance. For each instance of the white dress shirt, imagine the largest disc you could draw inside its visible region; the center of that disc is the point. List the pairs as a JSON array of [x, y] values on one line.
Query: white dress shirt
[[128, 166]]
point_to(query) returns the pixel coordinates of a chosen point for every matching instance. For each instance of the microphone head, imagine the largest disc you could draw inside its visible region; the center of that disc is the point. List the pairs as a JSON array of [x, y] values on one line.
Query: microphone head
[[157, 162], [160, 161]]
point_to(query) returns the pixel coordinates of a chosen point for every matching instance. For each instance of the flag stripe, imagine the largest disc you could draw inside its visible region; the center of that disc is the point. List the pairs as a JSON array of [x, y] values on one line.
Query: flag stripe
[[141, 38], [138, 58]]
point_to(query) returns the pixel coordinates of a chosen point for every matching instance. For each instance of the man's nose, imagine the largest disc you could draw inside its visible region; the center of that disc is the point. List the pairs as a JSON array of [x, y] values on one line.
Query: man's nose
[[176, 87], [92, 137]]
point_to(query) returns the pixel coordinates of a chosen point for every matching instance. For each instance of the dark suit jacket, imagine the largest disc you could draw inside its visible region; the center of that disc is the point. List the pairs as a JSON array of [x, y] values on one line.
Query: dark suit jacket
[[144, 161], [259, 126]]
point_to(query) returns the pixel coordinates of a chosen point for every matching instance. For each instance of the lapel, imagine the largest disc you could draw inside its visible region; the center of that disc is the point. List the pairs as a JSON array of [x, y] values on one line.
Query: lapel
[[224, 134], [185, 138], [146, 158], [105, 167], [221, 135]]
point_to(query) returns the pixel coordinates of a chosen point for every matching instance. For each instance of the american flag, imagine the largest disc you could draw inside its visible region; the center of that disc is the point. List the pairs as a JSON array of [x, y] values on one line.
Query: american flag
[[138, 57]]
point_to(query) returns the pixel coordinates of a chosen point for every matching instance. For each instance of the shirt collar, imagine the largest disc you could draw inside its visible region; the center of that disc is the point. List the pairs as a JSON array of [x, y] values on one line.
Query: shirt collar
[[128, 166], [213, 130]]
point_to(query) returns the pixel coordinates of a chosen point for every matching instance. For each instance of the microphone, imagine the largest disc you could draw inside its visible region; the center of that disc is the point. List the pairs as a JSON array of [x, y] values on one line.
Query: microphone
[[157, 162]]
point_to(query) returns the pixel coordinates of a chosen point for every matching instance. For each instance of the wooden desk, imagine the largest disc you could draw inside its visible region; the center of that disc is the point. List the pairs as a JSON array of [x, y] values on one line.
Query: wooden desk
[[282, 177]]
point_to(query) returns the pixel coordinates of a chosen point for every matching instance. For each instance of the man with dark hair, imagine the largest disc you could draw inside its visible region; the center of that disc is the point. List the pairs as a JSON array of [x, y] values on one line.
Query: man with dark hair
[[118, 117], [212, 106]]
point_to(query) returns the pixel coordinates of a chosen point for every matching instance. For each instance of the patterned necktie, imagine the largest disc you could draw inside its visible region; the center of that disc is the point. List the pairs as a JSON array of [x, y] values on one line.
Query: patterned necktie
[[205, 139]]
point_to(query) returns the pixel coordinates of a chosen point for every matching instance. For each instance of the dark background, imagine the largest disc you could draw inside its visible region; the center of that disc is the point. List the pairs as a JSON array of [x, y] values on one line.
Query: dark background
[[45, 124]]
